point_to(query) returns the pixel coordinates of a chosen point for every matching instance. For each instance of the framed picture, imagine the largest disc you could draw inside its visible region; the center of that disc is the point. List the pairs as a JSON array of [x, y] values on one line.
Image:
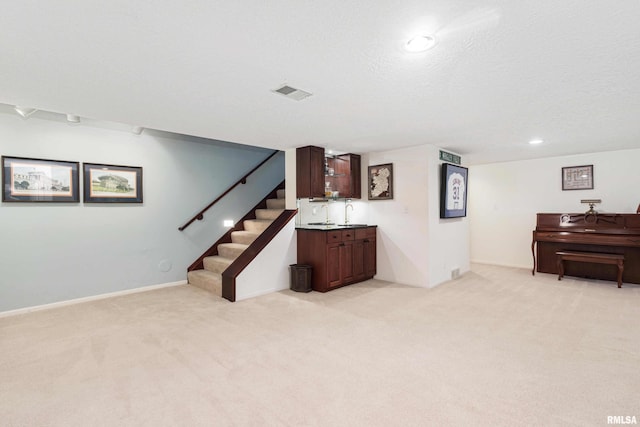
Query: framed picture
[[39, 180], [577, 178], [381, 182], [112, 184], [453, 191]]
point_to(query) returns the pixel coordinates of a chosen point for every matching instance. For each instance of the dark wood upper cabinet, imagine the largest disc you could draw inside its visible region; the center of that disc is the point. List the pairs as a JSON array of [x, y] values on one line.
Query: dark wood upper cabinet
[[314, 170], [347, 167], [310, 172]]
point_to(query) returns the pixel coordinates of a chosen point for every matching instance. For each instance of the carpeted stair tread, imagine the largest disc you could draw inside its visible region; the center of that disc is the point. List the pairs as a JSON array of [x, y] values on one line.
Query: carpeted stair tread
[[270, 214], [216, 263], [275, 203], [210, 278], [244, 237], [257, 225], [206, 280], [231, 250]]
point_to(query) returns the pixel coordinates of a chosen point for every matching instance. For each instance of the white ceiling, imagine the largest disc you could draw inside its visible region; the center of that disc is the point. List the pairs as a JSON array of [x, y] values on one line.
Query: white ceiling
[[504, 72]]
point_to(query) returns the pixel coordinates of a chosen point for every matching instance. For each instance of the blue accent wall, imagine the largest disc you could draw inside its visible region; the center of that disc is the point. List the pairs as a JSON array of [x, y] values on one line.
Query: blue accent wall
[[51, 252]]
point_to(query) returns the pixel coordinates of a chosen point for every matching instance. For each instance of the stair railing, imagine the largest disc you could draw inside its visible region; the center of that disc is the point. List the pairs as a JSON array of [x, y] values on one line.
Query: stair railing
[[200, 215]]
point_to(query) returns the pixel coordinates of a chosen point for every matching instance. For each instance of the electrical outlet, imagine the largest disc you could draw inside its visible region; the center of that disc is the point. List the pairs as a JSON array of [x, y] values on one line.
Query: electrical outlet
[[455, 273]]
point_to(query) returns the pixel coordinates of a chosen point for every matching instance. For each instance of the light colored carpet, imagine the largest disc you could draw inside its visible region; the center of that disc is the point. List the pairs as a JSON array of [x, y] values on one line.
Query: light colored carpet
[[496, 347]]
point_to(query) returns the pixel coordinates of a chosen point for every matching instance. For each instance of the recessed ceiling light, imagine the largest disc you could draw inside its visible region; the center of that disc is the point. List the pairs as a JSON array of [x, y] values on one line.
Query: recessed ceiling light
[[420, 43], [536, 141]]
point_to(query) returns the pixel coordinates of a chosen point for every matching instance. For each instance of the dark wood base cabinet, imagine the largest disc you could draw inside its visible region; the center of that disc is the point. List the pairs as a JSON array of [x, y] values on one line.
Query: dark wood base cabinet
[[339, 257]]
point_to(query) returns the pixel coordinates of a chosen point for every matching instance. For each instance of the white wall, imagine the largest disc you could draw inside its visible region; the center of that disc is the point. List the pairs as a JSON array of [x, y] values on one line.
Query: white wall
[[505, 197], [52, 252], [448, 238], [269, 271], [414, 245], [290, 174]]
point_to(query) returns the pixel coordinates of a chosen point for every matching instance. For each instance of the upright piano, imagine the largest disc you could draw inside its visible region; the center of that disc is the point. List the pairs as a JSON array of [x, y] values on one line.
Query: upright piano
[[587, 232]]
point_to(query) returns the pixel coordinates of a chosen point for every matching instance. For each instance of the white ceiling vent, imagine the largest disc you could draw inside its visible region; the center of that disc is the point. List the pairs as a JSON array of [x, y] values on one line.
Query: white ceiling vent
[[292, 92]]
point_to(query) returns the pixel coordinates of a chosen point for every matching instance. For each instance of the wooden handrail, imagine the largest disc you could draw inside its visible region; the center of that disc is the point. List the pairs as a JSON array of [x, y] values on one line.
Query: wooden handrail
[[238, 226], [199, 216], [229, 275]]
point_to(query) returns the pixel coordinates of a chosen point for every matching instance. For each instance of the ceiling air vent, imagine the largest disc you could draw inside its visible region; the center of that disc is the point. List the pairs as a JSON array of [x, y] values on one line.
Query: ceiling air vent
[[292, 93]]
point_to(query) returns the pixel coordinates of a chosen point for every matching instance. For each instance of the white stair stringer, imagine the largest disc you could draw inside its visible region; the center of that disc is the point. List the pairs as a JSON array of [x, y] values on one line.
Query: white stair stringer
[[210, 278]]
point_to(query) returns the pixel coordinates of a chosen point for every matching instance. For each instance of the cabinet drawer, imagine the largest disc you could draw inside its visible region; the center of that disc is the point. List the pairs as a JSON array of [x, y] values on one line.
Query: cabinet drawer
[[348, 235], [363, 233], [340, 236], [334, 236]]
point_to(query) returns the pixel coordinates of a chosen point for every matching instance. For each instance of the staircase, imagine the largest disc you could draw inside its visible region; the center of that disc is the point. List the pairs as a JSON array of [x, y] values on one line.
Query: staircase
[[210, 278]]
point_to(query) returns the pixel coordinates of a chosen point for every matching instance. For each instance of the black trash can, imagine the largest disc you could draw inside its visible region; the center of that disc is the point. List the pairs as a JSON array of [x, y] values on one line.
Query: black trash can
[[301, 277]]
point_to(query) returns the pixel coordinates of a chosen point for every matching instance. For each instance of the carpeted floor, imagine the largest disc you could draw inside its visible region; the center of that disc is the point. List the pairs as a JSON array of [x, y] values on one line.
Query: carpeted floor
[[497, 347]]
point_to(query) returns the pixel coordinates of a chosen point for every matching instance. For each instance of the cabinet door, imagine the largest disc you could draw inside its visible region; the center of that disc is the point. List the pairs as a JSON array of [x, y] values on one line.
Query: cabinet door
[[347, 166], [369, 256], [334, 276], [342, 166], [358, 260], [356, 187], [339, 264], [346, 262], [310, 172]]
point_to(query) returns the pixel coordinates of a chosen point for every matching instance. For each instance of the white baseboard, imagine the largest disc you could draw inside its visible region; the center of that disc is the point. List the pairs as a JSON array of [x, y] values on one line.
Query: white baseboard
[[499, 264], [91, 298]]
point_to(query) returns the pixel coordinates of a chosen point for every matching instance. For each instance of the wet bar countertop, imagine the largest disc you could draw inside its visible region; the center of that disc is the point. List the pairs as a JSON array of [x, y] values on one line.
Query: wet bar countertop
[[331, 226]]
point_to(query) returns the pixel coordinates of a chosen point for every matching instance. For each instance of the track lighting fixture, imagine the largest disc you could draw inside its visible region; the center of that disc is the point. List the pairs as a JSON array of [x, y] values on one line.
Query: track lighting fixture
[[72, 118], [24, 111]]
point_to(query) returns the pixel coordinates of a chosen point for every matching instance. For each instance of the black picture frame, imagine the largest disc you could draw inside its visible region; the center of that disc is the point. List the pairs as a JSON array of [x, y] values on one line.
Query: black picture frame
[[577, 178], [27, 179], [453, 191], [380, 184], [111, 183]]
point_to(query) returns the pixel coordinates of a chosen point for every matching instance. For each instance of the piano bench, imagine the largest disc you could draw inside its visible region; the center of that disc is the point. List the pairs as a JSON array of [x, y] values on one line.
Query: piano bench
[[592, 257]]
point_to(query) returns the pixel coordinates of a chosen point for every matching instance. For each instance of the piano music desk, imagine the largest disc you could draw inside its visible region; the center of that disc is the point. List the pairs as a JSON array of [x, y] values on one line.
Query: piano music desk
[[592, 257]]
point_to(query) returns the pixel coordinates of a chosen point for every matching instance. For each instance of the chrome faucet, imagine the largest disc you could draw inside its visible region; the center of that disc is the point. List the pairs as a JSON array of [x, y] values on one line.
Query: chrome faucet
[[326, 221], [346, 217]]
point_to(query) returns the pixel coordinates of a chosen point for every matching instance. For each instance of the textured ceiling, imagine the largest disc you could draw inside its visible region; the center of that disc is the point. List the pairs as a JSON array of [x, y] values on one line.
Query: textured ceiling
[[504, 72]]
